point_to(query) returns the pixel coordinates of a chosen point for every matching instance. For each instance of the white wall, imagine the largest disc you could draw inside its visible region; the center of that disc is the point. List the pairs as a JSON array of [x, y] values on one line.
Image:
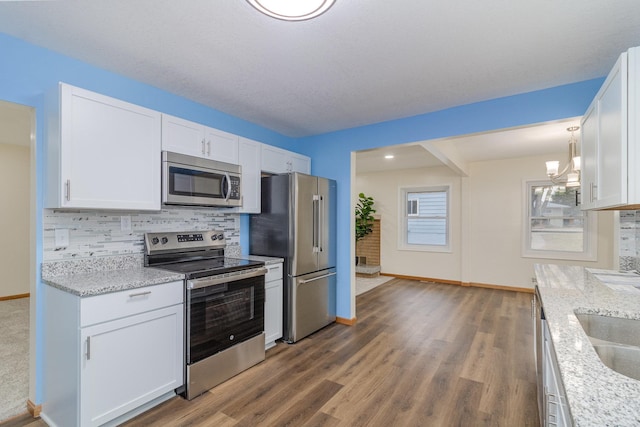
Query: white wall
[[487, 219], [384, 187], [14, 219]]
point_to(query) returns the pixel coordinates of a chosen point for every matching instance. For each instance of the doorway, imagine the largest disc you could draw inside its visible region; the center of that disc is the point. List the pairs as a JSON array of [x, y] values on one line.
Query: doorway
[[17, 158]]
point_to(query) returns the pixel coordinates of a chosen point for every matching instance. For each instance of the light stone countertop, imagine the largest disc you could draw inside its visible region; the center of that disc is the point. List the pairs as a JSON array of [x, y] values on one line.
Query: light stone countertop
[[88, 277], [597, 396], [268, 260]]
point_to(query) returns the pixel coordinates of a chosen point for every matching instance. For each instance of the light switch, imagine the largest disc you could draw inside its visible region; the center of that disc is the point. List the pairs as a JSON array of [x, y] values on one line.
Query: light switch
[[61, 237], [125, 223]]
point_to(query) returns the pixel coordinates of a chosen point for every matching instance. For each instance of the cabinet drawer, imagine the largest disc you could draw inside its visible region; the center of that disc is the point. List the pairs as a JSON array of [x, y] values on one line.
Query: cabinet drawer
[[102, 308], [274, 273]]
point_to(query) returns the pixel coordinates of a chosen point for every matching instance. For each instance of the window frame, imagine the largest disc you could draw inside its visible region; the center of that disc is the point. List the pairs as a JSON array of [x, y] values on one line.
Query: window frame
[[404, 216], [589, 232]]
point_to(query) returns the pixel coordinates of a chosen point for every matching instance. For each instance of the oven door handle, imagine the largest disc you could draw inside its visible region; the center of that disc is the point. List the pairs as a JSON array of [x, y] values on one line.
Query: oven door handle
[[210, 281]]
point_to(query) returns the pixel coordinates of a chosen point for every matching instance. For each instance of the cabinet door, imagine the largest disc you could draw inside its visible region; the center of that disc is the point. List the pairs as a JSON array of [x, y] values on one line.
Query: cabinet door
[[128, 362], [274, 160], [221, 146], [300, 163], [182, 136], [273, 305], [109, 152], [589, 157], [612, 137], [250, 161], [273, 312]]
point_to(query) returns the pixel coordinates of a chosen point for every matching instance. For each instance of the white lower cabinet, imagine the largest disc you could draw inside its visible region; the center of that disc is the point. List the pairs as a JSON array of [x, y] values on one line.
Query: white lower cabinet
[[557, 410], [102, 370], [273, 305]]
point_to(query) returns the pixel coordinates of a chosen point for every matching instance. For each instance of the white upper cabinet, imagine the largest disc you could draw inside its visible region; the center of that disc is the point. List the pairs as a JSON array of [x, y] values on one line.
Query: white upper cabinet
[[250, 157], [186, 137], [102, 153], [610, 139], [277, 160]]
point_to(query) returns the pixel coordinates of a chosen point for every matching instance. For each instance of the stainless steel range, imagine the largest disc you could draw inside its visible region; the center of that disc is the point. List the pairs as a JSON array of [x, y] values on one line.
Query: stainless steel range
[[224, 305]]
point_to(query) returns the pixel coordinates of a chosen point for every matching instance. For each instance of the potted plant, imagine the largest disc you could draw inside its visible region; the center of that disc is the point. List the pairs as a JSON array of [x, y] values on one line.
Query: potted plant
[[364, 217]]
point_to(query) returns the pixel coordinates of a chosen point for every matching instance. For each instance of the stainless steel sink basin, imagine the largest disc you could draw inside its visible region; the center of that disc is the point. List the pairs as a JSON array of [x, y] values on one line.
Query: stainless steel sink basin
[[616, 341], [622, 359], [611, 329]]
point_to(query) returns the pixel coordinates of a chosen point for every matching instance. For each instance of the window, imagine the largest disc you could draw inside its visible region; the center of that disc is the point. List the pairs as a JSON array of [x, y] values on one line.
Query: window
[[556, 227], [425, 224]]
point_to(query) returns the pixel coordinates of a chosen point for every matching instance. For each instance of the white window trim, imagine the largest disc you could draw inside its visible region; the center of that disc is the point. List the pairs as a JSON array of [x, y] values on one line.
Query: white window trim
[[590, 252], [402, 215]]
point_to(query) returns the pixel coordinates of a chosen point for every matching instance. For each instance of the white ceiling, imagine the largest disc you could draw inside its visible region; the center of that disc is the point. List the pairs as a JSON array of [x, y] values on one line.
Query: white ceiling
[[540, 139], [362, 62]]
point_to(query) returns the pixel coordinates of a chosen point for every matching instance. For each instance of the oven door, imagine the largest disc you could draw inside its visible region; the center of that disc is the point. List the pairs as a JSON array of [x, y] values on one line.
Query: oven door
[[222, 312]]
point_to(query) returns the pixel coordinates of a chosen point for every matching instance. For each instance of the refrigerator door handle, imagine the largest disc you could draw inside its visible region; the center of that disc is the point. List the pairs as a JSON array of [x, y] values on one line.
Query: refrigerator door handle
[[316, 223], [321, 224], [324, 276]]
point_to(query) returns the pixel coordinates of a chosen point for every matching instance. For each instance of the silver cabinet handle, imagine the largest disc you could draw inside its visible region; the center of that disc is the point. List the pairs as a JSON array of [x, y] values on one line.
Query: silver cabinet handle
[[317, 278], [139, 294], [208, 148], [202, 142], [67, 190], [88, 348]]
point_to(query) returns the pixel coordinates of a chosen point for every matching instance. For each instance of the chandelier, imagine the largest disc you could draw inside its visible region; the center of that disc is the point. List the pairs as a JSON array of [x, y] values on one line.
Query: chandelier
[[292, 10], [570, 175]]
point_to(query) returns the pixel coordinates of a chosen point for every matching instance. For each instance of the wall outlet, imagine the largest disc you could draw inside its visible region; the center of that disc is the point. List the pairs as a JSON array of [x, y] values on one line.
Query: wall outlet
[[61, 237], [125, 223]]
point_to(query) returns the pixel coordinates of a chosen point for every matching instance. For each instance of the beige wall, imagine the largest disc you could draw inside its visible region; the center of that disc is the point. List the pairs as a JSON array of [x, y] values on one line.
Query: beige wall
[[487, 218], [496, 211], [14, 219], [384, 188]]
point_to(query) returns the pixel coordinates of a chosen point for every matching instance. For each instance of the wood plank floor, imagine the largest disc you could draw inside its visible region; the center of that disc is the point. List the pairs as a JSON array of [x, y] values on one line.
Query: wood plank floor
[[421, 354]]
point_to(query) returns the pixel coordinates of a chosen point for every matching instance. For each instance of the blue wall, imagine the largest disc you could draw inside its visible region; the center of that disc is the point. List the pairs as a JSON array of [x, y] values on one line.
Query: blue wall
[[331, 153], [27, 71]]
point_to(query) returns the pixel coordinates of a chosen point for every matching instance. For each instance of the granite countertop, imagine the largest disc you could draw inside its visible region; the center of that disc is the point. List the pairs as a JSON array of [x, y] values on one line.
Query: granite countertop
[[597, 396], [268, 260], [100, 276]]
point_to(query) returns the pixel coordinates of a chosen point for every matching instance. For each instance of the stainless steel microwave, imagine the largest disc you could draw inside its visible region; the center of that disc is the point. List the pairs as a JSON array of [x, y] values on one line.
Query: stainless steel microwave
[[194, 181]]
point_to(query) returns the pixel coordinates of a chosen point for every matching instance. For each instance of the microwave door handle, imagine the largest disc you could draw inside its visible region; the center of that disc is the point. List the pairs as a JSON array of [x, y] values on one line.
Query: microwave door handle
[[227, 179]]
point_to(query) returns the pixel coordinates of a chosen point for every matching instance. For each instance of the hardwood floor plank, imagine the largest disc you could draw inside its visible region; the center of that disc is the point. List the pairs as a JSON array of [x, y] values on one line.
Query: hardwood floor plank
[[420, 354]]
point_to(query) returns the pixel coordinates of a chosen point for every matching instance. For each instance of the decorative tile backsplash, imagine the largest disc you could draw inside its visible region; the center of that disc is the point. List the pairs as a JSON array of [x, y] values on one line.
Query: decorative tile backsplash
[[96, 234], [629, 240]]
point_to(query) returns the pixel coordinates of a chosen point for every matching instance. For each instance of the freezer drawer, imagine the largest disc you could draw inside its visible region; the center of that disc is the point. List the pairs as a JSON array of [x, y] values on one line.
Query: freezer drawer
[[312, 304]]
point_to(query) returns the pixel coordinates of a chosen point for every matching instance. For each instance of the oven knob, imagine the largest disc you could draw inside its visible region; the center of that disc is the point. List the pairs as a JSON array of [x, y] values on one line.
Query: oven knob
[[214, 237], [164, 240], [220, 236], [231, 337], [155, 240]]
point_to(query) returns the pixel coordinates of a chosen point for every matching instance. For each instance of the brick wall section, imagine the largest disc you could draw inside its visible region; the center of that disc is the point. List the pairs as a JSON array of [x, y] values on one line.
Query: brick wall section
[[369, 246]]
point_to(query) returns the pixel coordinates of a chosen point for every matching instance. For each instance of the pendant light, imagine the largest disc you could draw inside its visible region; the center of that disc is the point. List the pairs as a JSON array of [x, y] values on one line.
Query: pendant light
[[570, 175], [292, 10]]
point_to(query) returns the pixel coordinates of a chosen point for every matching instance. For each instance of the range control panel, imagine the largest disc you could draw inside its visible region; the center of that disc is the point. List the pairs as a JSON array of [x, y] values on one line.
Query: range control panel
[[179, 241]]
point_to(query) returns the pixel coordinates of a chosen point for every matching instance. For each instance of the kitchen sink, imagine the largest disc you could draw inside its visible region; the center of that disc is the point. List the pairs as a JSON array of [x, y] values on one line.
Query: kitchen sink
[[623, 359], [611, 329], [615, 340]]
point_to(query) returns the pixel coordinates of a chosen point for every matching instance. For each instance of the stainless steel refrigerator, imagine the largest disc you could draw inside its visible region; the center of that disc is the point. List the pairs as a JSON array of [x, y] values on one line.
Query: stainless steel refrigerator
[[298, 223]]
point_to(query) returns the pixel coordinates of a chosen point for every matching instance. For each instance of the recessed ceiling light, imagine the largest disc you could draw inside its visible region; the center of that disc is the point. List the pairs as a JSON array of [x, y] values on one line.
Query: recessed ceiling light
[[292, 10], [389, 156]]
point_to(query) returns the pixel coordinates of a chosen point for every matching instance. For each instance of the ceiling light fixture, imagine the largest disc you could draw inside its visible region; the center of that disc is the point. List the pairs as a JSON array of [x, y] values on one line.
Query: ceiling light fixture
[[292, 10], [389, 156], [570, 175]]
